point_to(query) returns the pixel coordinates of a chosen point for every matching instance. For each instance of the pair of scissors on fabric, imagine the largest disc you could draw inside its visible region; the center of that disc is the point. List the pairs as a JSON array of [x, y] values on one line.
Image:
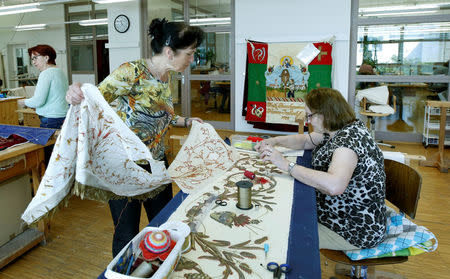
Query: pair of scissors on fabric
[[219, 202], [278, 269]]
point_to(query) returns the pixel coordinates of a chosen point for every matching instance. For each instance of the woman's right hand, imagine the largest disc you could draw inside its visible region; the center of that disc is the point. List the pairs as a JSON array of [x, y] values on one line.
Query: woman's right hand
[[74, 95], [260, 145]]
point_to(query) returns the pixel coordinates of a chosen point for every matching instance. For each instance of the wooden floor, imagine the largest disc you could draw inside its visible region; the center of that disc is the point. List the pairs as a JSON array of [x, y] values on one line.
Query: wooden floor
[[79, 244]]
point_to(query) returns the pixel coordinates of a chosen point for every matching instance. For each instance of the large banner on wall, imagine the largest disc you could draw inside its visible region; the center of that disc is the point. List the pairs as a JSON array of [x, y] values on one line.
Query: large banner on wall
[[277, 82]]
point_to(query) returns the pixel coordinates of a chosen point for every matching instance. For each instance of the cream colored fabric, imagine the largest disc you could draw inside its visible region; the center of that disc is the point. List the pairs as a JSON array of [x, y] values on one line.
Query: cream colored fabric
[[331, 240], [382, 109], [96, 149], [236, 244], [375, 95], [203, 157]]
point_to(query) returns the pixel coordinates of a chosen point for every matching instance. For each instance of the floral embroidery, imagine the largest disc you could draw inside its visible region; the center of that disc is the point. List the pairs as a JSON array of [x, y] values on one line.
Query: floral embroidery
[[232, 257]]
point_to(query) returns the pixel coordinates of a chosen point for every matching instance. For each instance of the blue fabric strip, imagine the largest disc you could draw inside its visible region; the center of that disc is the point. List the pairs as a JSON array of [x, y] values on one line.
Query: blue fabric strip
[[32, 134], [303, 250]]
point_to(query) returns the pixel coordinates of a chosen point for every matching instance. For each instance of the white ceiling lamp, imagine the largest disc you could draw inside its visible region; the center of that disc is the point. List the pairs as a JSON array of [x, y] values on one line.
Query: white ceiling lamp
[[90, 22], [18, 9], [389, 13], [402, 9], [210, 21], [110, 1], [30, 27]]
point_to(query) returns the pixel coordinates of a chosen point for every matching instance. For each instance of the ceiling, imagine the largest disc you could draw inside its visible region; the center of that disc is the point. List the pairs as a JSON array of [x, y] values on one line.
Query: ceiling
[[362, 3]]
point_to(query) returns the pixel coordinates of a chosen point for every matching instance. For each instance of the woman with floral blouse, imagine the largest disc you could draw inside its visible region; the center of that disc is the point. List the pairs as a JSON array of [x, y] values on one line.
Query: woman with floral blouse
[[139, 92]]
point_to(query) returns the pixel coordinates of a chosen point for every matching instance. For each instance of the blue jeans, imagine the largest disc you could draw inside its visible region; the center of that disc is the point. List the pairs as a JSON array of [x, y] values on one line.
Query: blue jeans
[[54, 123]]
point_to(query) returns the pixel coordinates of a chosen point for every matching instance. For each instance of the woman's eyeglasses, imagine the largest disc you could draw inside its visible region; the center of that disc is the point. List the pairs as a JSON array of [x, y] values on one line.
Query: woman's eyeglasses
[[309, 115], [35, 57]]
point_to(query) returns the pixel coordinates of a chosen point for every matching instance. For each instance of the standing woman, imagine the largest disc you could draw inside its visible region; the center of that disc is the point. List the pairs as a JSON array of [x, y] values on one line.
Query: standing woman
[[49, 95], [141, 93]]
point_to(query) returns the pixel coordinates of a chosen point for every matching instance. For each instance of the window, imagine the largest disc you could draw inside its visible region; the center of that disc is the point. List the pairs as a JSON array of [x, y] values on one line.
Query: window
[[407, 48], [86, 43]]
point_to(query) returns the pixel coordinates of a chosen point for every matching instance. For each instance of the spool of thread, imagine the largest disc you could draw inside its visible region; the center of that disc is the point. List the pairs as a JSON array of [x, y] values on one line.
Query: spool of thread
[[244, 194], [249, 174], [143, 270]]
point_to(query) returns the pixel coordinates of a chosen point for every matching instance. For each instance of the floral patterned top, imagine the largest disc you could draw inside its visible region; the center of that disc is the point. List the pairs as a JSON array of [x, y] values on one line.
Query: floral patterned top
[[358, 214], [142, 101]]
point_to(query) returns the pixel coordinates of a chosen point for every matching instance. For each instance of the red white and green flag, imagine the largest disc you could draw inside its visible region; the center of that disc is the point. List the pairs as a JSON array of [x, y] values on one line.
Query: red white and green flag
[[277, 81]]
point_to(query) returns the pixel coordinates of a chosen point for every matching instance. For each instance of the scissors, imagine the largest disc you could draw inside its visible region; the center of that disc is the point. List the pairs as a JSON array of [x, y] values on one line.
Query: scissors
[[278, 269], [219, 202]]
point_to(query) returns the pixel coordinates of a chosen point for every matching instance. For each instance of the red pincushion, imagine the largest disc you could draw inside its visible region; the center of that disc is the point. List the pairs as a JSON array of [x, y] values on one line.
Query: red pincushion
[[156, 244]]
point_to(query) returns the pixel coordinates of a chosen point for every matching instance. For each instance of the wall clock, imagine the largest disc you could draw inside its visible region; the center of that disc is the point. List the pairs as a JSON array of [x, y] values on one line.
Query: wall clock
[[121, 23]]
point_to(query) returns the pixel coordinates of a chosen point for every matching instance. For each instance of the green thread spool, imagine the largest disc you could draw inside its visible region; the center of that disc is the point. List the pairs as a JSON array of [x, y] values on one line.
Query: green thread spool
[[244, 194]]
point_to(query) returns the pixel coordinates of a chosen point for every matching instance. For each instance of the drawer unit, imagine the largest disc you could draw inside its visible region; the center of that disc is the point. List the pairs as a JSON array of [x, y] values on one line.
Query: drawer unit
[[15, 195]]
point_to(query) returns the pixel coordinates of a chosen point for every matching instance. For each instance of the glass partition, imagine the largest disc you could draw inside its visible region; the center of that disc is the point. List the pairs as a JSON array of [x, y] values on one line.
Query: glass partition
[[405, 49], [210, 13], [410, 98], [210, 99]]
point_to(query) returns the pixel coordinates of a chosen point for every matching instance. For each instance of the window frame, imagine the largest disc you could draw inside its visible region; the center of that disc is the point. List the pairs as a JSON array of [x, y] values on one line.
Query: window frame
[[357, 21]]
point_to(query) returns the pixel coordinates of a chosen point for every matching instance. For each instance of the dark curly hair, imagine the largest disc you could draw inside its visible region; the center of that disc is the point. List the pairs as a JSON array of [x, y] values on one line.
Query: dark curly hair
[[176, 35], [44, 50], [331, 104]]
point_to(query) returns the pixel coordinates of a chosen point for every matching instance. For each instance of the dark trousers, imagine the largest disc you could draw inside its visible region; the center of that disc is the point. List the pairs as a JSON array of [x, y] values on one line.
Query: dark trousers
[[126, 215], [54, 123]]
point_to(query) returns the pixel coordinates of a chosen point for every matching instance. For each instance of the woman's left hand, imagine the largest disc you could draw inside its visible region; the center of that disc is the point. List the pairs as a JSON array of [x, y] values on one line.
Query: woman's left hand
[[268, 153], [191, 119], [21, 103]]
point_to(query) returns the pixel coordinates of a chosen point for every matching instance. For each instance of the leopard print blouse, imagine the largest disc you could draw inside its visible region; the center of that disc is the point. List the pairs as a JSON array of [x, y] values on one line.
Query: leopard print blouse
[[358, 215]]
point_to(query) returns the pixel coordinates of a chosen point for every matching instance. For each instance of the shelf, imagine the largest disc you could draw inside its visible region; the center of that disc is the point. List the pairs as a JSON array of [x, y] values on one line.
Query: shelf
[[437, 111], [19, 245], [435, 126]]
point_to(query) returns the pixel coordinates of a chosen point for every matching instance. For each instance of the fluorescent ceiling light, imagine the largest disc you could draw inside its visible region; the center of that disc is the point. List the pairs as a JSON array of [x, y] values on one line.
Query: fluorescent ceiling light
[[210, 21], [90, 22], [18, 9], [30, 27], [387, 13], [398, 8], [110, 1]]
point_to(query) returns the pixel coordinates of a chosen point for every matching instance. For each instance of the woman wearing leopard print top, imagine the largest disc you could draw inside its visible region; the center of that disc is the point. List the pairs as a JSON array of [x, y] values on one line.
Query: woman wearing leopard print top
[[348, 172]]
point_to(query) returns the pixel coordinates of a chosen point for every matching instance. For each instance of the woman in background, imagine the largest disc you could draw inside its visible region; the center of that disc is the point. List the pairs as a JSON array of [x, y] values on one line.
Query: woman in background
[[141, 93], [49, 95]]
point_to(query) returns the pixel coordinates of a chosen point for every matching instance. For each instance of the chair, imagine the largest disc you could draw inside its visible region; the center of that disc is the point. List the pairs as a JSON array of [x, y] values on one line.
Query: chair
[[372, 115], [403, 185]]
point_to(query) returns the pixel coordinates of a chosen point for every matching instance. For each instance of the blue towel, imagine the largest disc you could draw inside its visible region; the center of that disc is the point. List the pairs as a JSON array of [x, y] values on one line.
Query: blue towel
[[32, 134]]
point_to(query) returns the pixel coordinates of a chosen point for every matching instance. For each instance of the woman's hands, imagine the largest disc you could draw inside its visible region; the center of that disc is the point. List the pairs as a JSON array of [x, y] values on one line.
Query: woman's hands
[[268, 153], [74, 95], [260, 145], [189, 120], [21, 103]]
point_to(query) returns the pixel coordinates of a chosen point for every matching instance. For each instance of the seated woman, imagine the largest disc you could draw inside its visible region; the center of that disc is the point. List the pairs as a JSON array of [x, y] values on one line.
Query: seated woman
[[348, 172]]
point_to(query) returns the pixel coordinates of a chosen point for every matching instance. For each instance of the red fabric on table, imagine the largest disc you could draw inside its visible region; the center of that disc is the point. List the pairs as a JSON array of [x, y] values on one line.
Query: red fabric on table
[[10, 141]]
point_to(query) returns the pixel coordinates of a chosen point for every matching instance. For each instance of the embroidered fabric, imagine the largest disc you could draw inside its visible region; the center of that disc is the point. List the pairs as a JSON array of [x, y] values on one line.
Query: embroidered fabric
[[229, 242], [95, 148], [203, 157]]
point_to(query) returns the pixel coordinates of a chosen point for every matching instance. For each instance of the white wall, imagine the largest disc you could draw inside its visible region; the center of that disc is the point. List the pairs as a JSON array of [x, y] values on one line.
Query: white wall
[[126, 46], [54, 35], [291, 21]]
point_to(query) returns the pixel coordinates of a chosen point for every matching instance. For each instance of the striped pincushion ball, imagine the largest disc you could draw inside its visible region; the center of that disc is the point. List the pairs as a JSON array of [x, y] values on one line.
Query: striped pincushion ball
[[156, 244]]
